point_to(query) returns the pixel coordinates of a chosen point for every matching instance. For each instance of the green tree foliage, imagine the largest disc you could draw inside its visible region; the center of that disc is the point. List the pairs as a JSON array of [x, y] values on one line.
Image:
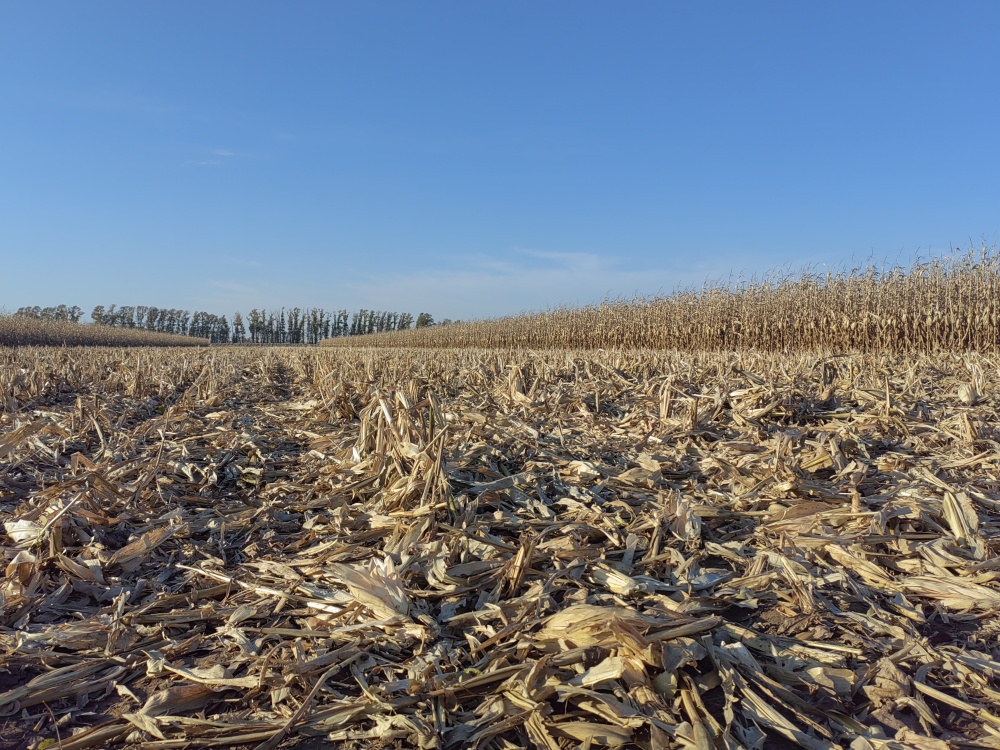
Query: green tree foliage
[[59, 312], [239, 331], [296, 325]]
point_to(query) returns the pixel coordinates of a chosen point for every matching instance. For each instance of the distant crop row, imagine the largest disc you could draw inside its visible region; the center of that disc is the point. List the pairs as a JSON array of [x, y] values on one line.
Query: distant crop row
[[941, 305], [18, 330]]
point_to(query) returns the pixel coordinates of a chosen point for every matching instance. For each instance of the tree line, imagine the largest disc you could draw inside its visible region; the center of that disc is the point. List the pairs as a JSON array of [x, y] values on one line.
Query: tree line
[[59, 312], [285, 326]]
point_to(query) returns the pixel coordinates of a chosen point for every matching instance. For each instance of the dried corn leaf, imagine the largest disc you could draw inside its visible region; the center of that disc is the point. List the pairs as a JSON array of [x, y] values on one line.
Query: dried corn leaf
[[499, 549]]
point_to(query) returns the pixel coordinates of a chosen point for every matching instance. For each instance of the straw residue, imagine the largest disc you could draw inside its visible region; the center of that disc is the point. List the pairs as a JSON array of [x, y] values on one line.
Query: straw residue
[[264, 548]]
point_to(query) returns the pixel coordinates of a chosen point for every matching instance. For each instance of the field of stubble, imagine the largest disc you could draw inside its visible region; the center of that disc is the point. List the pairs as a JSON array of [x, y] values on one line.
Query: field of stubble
[[269, 548]]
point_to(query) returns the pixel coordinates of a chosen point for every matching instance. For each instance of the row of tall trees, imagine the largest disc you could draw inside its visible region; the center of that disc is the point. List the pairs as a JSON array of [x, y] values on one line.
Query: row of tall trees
[[285, 326], [294, 326], [161, 319], [376, 321], [59, 312]]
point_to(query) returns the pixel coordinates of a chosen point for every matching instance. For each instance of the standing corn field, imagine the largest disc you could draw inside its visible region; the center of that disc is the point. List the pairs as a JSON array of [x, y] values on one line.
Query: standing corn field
[[17, 330], [951, 305]]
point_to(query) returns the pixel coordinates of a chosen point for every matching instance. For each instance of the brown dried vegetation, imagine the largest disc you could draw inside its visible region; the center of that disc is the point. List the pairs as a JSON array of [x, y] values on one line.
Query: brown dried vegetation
[[946, 305], [263, 547], [17, 330]]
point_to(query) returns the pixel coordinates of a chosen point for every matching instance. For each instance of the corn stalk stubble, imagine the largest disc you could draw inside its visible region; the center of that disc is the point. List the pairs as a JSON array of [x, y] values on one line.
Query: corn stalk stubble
[[491, 549]]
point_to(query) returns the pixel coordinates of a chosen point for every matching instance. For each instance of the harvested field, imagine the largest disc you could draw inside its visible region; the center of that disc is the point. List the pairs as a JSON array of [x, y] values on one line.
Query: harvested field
[[281, 548], [17, 330]]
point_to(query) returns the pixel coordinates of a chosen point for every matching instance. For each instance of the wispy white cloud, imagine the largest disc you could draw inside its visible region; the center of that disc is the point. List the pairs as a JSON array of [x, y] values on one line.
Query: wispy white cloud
[[233, 287], [579, 260], [213, 158], [235, 260], [480, 286]]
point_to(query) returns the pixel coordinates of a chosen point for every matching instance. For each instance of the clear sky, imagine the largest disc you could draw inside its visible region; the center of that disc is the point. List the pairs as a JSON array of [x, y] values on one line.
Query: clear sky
[[474, 159]]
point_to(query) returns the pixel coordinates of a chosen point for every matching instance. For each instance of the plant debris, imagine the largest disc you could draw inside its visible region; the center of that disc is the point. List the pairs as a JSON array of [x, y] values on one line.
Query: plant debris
[[270, 548]]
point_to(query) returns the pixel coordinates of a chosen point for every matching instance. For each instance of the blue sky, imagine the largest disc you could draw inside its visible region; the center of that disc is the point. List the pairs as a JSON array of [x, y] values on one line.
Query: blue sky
[[479, 159]]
